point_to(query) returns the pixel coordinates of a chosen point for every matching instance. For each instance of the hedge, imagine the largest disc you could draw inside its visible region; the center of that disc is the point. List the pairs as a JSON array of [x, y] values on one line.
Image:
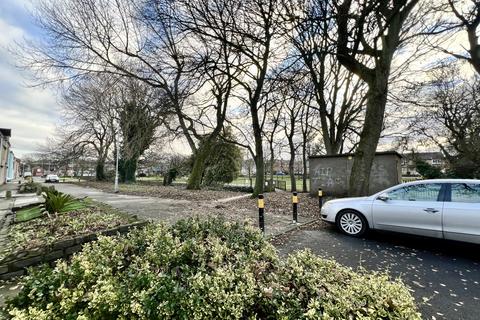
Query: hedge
[[207, 269]]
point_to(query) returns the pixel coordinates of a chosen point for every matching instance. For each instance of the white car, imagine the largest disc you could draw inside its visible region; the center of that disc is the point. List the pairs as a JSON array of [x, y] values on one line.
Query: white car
[[52, 178], [440, 208]]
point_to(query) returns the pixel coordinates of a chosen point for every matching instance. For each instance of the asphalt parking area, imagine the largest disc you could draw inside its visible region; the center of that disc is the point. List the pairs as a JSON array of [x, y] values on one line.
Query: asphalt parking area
[[444, 276]]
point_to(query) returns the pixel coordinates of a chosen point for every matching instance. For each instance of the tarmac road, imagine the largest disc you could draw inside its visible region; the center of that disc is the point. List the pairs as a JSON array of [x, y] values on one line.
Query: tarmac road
[[444, 275]]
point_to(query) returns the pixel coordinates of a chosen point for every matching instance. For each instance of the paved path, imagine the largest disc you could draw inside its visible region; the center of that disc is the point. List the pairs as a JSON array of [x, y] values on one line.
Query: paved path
[[169, 211], [444, 274], [144, 207]]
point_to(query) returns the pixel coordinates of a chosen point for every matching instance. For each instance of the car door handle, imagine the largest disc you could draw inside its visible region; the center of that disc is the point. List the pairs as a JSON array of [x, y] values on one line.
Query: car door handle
[[430, 210]]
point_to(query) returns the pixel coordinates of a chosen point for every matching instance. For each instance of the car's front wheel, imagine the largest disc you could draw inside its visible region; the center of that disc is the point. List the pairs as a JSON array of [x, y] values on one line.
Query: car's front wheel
[[352, 223]]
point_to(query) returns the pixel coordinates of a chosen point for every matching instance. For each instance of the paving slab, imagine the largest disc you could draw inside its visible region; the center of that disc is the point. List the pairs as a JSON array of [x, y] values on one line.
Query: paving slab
[[27, 201], [6, 204]]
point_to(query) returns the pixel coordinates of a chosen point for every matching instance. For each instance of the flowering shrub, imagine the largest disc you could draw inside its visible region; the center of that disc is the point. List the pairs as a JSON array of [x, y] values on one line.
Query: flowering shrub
[[204, 270]]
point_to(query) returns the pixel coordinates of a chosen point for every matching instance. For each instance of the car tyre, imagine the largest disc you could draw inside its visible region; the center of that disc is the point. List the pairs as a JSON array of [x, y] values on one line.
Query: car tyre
[[352, 223]]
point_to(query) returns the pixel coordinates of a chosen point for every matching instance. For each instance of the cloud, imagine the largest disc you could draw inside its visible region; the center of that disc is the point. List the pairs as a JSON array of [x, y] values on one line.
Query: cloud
[[31, 113]]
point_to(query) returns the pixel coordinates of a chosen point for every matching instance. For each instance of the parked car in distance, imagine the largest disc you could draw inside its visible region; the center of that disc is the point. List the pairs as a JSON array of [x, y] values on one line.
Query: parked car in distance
[[440, 208], [27, 174], [52, 178]]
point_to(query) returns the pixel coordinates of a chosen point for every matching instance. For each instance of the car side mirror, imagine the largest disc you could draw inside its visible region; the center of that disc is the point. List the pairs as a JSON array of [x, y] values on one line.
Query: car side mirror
[[383, 197]]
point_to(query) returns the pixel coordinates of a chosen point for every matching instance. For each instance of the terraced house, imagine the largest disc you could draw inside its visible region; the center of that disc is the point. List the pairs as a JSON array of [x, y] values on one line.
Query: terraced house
[[4, 153]]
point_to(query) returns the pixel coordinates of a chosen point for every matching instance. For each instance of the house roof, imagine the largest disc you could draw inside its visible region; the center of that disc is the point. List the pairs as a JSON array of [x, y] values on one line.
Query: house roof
[[6, 132], [383, 153], [425, 155]]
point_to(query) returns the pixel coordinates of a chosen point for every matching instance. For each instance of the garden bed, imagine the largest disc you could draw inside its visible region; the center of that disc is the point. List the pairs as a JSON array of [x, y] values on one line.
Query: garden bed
[[45, 239]]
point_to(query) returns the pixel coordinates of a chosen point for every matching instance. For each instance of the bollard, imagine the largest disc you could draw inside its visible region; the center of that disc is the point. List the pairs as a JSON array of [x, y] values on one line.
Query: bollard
[[8, 194], [320, 198], [295, 207], [261, 213]]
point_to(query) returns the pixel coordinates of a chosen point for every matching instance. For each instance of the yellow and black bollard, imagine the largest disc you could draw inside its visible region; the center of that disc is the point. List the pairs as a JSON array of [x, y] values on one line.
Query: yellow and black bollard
[[261, 213], [295, 207], [320, 198]]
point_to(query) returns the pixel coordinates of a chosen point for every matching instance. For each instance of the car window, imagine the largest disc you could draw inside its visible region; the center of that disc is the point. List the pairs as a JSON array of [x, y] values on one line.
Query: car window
[[416, 192], [466, 192]]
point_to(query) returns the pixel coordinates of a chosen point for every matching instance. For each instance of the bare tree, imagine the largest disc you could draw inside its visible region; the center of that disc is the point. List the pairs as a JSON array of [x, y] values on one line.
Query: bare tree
[[137, 40], [307, 119], [368, 35], [250, 29], [271, 130], [467, 14], [339, 94], [89, 112], [448, 114]]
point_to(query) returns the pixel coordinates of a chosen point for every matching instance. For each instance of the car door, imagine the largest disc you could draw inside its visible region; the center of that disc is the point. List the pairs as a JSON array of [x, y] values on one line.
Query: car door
[[461, 215], [415, 209]]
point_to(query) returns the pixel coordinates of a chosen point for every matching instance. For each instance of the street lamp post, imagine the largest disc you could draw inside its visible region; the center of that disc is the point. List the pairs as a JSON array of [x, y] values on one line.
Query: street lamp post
[[116, 169]]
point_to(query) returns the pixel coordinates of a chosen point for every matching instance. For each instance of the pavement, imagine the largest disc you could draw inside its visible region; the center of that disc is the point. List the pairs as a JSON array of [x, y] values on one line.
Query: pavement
[[170, 211], [444, 276]]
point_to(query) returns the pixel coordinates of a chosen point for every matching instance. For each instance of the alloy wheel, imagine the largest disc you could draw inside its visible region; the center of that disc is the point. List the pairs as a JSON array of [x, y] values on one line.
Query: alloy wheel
[[351, 223]]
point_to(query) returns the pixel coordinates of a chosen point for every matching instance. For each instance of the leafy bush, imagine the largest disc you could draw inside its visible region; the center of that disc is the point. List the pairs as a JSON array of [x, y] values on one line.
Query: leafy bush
[[463, 168], [170, 176], [204, 270], [29, 187], [426, 170]]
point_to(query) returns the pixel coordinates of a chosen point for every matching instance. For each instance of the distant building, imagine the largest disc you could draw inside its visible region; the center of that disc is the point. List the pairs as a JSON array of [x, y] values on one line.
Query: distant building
[[4, 153], [38, 172], [13, 166], [436, 159], [280, 167]]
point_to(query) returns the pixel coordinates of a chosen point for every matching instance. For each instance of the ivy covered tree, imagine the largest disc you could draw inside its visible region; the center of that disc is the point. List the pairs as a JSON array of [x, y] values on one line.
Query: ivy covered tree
[[224, 164], [141, 110]]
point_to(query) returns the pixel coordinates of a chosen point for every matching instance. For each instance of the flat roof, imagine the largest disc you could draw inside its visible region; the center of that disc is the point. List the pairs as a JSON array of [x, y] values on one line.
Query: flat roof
[[6, 132], [382, 153]]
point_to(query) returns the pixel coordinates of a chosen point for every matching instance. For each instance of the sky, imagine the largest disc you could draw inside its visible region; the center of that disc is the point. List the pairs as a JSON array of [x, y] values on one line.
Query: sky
[[31, 112]]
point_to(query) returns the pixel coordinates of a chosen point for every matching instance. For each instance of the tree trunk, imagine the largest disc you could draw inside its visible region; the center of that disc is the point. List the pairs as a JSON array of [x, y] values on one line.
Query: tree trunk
[[127, 169], [250, 174], [272, 159], [259, 160], [304, 176], [100, 170], [291, 166], [372, 128], [474, 48], [199, 164], [259, 175]]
